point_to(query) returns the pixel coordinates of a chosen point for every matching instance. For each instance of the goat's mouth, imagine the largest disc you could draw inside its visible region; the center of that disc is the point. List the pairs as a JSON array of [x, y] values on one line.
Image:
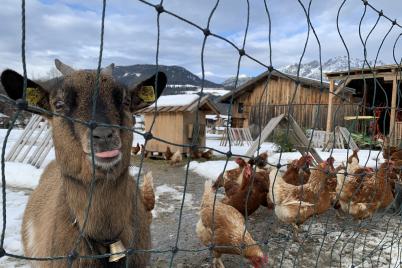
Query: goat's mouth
[[106, 159]]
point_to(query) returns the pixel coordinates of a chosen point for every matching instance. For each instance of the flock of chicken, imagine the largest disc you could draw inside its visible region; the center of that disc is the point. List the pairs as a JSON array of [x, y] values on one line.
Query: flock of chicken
[[295, 195], [173, 158]]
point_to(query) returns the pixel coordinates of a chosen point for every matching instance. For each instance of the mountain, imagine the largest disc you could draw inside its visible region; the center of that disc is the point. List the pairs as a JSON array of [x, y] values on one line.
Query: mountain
[[179, 79], [312, 69], [230, 82]]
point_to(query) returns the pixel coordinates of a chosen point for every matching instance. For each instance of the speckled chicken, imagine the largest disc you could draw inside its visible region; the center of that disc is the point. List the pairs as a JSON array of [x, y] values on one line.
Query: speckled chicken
[[361, 194]]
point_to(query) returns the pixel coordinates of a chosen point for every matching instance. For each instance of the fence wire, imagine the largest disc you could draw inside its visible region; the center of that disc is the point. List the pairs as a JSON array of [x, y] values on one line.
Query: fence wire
[[332, 242]]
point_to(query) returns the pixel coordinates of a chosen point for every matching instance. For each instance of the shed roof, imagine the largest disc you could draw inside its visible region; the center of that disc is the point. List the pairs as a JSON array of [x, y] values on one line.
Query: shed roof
[[249, 85], [182, 103], [361, 71]]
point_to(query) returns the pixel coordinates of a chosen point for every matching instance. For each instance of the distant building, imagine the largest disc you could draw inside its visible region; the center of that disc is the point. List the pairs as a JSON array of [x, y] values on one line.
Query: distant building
[[269, 95]]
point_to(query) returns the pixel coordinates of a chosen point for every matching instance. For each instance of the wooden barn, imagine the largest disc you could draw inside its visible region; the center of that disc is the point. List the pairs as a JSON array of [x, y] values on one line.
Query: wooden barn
[[268, 95], [176, 121], [378, 97]]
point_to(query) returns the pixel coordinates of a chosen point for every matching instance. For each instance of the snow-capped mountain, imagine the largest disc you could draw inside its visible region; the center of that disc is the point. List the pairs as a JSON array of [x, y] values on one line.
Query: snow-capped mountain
[[230, 82], [312, 69], [178, 77]]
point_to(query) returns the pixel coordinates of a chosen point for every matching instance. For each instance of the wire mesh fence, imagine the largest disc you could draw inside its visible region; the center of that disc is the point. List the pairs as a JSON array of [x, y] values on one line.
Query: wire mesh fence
[[301, 225]]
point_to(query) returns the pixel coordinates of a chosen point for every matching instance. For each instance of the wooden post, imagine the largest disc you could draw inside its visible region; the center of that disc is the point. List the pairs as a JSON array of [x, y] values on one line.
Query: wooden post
[[393, 111], [330, 102]]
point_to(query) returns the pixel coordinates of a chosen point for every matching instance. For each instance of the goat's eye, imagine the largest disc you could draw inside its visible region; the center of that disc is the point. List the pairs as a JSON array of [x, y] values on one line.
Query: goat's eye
[[59, 104]]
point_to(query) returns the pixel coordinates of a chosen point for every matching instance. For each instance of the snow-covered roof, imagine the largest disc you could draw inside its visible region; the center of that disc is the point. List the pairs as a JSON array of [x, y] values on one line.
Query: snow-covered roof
[[176, 100], [182, 103]]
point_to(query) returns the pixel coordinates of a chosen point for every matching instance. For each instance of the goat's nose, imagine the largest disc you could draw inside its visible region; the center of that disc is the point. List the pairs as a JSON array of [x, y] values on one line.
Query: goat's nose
[[102, 133]]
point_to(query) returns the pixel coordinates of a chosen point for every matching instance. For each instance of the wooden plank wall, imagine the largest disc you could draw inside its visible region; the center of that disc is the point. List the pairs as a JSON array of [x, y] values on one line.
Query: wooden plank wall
[[173, 127], [307, 116], [275, 98]]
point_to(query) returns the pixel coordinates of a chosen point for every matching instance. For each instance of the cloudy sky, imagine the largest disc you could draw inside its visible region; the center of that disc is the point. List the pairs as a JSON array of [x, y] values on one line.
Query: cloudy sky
[[69, 30]]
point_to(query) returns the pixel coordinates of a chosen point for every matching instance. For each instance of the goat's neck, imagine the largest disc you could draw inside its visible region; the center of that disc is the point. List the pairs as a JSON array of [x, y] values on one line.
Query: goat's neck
[[111, 201]]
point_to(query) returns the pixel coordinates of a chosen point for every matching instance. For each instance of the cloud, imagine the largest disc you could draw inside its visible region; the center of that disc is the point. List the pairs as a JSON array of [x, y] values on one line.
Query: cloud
[[70, 30]]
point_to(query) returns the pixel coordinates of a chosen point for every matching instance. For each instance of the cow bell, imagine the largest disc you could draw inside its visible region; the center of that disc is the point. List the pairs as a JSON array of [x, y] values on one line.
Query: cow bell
[[116, 247]]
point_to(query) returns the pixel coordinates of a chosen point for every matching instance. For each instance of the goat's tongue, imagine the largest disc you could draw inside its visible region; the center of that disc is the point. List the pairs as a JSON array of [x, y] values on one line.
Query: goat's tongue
[[107, 154]]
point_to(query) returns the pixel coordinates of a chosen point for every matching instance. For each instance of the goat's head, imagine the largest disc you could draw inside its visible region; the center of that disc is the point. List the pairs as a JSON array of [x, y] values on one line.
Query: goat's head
[[72, 96]]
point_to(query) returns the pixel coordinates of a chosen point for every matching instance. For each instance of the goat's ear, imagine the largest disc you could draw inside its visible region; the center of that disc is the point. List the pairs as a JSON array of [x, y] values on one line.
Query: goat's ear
[[145, 93], [13, 84]]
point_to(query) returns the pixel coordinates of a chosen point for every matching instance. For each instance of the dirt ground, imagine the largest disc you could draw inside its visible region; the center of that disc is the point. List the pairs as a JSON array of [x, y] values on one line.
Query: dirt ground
[[326, 241]]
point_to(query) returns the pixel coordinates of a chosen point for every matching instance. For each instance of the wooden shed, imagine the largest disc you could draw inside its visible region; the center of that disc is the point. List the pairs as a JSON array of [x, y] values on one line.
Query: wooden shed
[[176, 121], [378, 96], [269, 95]]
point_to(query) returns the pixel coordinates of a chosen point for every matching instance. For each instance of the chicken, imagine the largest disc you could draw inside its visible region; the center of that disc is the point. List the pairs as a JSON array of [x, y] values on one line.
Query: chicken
[[195, 153], [388, 153], [332, 184], [246, 198], [260, 161], [397, 155], [228, 233], [143, 151], [229, 176], [231, 179], [361, 194], [295, 204], [353, 162], [148, 193], [168, 154], [207, 155], [298, 172], [176, 158], [136, 149]]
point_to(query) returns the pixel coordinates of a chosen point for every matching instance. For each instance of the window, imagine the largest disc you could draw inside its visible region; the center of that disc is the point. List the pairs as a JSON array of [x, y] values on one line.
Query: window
[[240, 108]]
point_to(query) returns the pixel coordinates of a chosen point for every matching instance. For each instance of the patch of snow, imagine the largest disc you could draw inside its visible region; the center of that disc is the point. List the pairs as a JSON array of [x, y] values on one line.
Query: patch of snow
[[168, 198], [211, 169], [22, 175], [16, 202]]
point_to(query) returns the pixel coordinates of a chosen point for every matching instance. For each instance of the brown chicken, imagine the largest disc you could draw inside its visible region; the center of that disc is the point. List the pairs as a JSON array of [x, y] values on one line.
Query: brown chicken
[[228, 231], [168, 154], [391, 153], [136, 149], [260, 161], [176, 158], [298, 172], [207, 155], [353, 162], [361, 194], [246, 198], [295, 204], [143, 151], [195, 154], [231, 179], [148, 193]]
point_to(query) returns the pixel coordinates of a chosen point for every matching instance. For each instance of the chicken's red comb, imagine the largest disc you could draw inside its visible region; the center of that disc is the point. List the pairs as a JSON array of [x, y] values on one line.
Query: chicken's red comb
[[240, 161]]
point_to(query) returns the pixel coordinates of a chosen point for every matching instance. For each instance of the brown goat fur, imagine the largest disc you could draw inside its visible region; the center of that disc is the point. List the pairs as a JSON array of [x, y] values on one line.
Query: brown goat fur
[[56, 209]]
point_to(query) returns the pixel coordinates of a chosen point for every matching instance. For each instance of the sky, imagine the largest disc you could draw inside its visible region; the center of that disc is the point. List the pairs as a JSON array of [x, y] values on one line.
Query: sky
[[70, 30]]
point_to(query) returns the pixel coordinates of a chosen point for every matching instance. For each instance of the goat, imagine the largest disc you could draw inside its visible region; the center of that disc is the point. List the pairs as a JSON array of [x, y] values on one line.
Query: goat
[[55, 213]]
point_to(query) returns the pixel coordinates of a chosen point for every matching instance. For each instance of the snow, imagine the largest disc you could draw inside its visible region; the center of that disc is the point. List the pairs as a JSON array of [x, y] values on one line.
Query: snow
[[16, 202], [176, 100], [167, 197]]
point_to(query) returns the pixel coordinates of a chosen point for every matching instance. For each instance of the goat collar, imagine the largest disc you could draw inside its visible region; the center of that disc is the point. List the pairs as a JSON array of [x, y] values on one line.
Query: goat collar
[[113, 246]]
